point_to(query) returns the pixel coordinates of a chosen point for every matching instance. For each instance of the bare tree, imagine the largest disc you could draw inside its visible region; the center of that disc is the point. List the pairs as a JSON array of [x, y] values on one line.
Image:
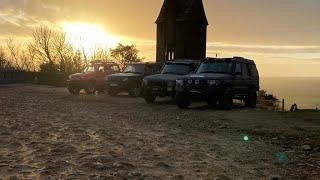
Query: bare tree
[[14, 53], [52, 49], [101, 54], [42, 44], [3, 59]]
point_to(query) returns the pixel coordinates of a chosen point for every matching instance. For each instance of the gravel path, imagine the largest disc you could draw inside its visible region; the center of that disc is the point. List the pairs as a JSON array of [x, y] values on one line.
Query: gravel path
[[47, 133]]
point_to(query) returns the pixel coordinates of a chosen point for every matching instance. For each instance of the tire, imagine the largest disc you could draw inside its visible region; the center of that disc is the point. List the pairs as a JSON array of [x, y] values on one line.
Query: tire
[[135, 90], [226, 100], [212, 101], [112, 92], [183, 100], [149, 98], [251, 99], [74, 91], [91, 88]]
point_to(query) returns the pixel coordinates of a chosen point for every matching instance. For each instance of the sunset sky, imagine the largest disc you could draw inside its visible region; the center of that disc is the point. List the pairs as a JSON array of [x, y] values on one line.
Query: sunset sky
[[283, 36]]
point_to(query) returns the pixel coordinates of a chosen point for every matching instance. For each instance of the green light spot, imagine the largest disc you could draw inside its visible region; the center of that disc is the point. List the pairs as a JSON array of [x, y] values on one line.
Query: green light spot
[[246, 138]]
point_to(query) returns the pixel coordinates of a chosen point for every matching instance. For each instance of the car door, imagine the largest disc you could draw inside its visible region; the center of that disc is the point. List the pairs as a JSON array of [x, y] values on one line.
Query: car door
[[239, 85], [100, 75], [246, 76]]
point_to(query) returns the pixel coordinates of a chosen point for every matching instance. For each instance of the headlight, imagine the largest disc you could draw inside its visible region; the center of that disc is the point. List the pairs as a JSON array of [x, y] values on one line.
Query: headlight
[[179, 82], [212, 82], [145, 82], [171, 84]]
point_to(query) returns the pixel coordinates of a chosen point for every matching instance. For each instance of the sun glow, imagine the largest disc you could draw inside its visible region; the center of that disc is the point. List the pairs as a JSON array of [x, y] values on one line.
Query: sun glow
[[88, 37]]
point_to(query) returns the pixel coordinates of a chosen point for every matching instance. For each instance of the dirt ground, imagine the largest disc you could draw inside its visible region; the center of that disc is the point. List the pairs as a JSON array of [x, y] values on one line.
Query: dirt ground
[[46, 133]]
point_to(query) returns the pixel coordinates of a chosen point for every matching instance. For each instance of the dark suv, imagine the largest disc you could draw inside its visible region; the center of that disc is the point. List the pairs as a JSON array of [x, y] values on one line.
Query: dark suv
[[163, 84], [219, 81], [130, 80]]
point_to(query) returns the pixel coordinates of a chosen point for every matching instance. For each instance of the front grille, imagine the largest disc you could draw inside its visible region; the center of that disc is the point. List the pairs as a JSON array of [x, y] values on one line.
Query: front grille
[[196, 84], [156, 83]]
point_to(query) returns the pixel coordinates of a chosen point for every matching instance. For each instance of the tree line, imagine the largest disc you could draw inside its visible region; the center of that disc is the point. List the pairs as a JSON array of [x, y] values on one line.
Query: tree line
[[49, 51]]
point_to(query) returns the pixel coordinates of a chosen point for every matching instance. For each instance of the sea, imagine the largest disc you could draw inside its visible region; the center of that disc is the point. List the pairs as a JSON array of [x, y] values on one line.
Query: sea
[[304, 91]]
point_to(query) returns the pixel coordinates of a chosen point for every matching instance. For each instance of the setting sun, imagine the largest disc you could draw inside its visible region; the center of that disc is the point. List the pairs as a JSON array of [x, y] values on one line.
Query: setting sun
[[88, 36]]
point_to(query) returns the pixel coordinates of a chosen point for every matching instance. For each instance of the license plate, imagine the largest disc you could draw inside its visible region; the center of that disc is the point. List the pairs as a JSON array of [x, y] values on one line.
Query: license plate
[[155, 89], [114, 85], [195, 91]]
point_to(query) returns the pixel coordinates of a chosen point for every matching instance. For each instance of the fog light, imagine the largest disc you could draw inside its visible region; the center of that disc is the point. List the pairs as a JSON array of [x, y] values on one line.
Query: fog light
[[212, 82], [179, 82]]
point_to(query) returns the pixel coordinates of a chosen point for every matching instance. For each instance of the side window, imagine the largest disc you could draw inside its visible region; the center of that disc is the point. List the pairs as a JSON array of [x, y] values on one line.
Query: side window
[[238, 69], [115, 68], [245, 69], [101, 69], [253, 70], [149, 70]]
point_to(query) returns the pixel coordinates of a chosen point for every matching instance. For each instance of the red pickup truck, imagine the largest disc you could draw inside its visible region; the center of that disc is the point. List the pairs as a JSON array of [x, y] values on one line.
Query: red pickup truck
[[92, 79]]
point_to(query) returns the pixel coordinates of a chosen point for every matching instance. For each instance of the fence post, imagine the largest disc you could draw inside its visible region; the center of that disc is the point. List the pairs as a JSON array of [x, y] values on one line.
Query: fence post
[[283, 105]]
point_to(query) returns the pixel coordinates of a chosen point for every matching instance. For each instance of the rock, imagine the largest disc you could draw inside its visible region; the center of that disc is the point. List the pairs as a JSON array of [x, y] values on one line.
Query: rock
[[222, 177], [274, 177], [177, 177], [164, 165], [135, 174], [13, 178], [306, 148], [123, 165], [222, 127], [3, 165]]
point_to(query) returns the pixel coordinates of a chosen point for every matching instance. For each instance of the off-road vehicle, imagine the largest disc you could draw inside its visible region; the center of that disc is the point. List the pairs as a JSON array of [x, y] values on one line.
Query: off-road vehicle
[[130, 80], [163, 84], [219, 81], [92, 79]]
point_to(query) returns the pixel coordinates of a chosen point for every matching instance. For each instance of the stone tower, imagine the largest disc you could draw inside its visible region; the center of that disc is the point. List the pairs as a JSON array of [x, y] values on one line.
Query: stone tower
[[181, 30]]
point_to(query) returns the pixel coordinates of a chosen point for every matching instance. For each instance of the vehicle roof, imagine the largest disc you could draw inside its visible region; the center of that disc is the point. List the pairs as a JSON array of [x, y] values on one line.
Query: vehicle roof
[[183, 61], [233, 59], [146, 63], [102, 62]]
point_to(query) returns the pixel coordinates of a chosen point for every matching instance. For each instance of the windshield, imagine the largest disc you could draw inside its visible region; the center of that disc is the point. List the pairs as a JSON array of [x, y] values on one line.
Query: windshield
[[180, 69], [134, 68], [215, 67], [89, 69]]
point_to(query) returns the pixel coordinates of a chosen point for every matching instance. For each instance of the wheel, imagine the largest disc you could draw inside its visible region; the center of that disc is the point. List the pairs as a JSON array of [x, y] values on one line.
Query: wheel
[[135, 90], [251, 99], [73, 90], [112, 92], [91, 88], [149, 98], [226, 100], [212, 101], [182, 100]]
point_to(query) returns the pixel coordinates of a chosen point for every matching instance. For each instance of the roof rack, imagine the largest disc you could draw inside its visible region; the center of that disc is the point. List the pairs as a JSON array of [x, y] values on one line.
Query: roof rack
[[233, 59]]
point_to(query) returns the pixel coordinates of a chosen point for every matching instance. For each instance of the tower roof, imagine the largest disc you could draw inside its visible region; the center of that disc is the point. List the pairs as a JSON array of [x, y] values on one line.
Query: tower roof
[[182, 10]]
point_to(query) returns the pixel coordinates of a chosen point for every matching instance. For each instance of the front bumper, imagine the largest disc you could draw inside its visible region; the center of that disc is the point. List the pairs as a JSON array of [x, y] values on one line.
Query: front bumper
[[118, 86], [202, 91], [76, 83], [160, 90]]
